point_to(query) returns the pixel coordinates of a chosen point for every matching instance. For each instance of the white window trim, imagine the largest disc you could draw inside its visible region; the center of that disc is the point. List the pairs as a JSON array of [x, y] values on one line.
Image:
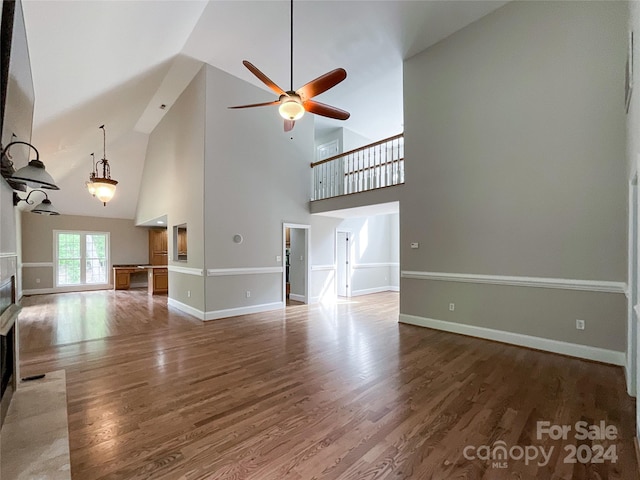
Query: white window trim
[[83, 234]]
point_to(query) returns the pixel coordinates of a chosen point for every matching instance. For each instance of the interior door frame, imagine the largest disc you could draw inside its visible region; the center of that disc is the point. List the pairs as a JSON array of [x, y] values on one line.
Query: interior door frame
[[307, 251], [631, 369], [349, 262]]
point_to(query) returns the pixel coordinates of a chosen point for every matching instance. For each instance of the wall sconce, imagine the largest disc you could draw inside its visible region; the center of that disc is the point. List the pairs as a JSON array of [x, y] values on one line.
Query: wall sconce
[[33, 175], [43, 208], [102, 187]]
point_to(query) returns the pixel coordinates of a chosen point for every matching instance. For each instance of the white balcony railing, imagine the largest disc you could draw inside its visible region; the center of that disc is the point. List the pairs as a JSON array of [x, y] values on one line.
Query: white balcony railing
[[378, 165]]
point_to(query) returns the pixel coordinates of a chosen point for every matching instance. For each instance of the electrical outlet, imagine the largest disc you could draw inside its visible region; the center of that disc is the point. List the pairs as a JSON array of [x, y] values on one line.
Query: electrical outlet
[[278, 258], [580, 324], [415, 245], [248, 293], [188, 293], [452, 307], [37, 280]]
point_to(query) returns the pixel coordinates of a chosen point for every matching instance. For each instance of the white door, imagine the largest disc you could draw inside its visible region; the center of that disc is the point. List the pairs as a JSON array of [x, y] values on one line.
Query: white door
[[343, 266]]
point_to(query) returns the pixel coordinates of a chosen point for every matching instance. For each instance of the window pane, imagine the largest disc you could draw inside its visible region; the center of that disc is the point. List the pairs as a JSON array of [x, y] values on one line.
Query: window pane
[[69, 272], [96, 261], [68, 245]]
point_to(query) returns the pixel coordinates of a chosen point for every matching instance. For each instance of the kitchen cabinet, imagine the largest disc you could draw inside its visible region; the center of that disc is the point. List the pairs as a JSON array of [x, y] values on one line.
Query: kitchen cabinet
[[122, 278], [158, 246], [158, 280]]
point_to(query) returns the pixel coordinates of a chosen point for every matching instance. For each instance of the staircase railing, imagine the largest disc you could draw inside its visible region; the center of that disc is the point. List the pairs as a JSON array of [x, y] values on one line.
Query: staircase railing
[[377, 165]]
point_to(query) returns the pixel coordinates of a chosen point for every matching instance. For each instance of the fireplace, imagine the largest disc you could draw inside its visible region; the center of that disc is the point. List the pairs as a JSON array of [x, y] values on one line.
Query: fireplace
[[8, 345]]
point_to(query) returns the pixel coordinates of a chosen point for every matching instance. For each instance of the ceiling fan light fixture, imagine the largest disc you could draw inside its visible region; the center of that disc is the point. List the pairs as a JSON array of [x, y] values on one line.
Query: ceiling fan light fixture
[[291, 108]]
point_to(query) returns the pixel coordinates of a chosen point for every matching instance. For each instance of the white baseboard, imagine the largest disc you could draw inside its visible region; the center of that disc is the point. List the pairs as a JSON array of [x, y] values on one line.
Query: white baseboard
[[538, 343], [183, 307], [234, 312], [627, 376], [297, 298], [369, 291], [82, 288]]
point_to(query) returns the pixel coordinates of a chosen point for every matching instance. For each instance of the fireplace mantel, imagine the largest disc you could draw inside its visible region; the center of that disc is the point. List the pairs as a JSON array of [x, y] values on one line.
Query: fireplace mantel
[[8, 319]]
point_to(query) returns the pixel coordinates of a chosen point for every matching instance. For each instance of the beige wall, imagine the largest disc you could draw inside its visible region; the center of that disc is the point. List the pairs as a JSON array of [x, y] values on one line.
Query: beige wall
[[173, 185], [257, 177], [129, 244], [515, 166]]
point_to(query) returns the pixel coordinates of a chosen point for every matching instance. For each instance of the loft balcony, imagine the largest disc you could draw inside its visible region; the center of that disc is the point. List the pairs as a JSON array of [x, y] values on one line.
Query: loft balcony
[[372, 167]]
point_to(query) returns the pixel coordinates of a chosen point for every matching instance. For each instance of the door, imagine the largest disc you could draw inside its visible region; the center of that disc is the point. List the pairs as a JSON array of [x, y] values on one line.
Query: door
[[343, 264]]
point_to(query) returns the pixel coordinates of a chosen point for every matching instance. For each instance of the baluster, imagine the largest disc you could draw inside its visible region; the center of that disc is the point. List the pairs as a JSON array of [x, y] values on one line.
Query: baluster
[[316, 194], [360, 172], [334, 178], [326, 180], [349, 178], [370, 172], [395, 162], [376, 164], [329, 180]]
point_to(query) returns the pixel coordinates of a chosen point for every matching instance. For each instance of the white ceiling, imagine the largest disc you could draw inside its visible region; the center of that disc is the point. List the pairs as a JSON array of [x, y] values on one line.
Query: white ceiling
[[114, 62]]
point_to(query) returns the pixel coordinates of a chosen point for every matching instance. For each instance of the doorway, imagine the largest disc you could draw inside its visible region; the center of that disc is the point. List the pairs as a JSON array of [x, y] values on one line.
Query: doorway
[[343, 263], [295, 253]]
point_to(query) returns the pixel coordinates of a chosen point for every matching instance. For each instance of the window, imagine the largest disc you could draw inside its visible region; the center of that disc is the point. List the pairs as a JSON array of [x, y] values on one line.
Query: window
[[82, 258]]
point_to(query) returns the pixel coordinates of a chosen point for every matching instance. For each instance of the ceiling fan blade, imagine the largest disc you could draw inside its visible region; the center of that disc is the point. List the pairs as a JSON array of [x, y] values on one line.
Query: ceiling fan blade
[[288, 125], [265, 104], [322, 84], [325, 110], [266, 80]]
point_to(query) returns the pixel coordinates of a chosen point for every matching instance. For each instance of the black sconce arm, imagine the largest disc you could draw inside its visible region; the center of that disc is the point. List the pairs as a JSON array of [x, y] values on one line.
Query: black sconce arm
[[16, 142], [17, 199]]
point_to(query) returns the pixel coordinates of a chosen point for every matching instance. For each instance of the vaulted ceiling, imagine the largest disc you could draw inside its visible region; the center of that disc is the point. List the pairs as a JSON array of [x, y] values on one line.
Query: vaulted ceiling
[[115, 62]]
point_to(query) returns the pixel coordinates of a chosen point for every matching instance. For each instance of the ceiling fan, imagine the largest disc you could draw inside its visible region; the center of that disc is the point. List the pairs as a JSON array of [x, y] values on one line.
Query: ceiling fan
[[292, 103]]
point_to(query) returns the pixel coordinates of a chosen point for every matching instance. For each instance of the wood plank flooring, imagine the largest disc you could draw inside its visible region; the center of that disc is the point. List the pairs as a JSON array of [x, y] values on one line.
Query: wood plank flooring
[[310, 392]]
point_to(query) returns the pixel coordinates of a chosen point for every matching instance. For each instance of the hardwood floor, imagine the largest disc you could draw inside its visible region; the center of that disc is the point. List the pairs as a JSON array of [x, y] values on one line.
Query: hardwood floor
[[310, 392]]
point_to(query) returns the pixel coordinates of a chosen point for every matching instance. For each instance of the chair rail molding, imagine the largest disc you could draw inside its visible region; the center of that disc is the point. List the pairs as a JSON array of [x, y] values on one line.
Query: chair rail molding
[[221, 272], [538, 282], [186, 270]]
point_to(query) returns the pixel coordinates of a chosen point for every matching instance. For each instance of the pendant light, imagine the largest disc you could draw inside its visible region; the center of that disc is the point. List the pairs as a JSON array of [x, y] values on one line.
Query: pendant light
[[34, 174], [104, 186]]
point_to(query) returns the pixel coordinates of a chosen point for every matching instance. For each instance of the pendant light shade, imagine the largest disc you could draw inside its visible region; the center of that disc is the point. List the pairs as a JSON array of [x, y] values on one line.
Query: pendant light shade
[[34, 174], [104, 187]]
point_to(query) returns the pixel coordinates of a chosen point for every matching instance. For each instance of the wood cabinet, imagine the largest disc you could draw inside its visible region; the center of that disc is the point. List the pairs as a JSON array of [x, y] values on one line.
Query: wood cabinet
[[158, 280], [122, 278], [182, 242], [158, 246]]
